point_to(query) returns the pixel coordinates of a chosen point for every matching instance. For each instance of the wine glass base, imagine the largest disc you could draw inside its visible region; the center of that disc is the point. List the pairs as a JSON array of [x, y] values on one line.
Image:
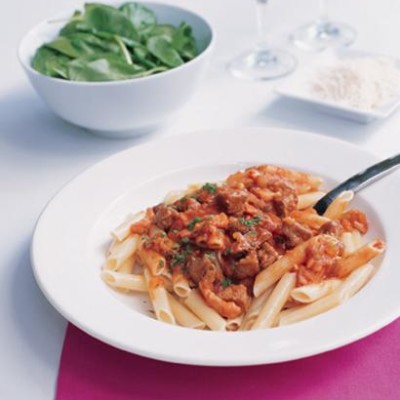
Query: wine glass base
[[318, 36], [262, 64]]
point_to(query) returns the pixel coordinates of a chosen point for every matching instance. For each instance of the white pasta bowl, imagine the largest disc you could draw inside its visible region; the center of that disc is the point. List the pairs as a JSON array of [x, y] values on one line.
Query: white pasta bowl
[[127, 107], [73, 233]]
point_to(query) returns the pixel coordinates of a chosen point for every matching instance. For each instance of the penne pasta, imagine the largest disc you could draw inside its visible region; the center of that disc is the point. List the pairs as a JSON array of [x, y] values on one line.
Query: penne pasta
[[127, 266], [234, 324], [193, 187], [307, 200], [183, 315], [173, 196], [350, 286], [356, 280], [275, 271], [290, 304], [121, 232], [347, 240], [154, 261], [121, 251], [201, 252], [254, 309], [125, 281], [198, 306], [159, 297], [313, 292], [361, 256], [310, 310], [167, 275], [338, 205], [314, 181], [180, 284], [270, 311], [357, 239], [310, 219]]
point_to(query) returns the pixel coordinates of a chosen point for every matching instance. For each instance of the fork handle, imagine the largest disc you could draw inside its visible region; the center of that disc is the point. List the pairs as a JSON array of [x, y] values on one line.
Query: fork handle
[[358, 181]]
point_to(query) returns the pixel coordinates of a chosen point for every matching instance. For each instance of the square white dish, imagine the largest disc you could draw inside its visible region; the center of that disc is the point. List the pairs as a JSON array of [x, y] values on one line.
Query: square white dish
[[296, 87]]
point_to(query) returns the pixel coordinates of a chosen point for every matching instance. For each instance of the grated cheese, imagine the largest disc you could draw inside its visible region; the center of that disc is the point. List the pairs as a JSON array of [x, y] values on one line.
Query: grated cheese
[[363, 83]]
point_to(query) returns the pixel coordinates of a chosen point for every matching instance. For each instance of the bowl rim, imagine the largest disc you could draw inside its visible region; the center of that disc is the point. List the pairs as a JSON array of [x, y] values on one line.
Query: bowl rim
[[28, 68]]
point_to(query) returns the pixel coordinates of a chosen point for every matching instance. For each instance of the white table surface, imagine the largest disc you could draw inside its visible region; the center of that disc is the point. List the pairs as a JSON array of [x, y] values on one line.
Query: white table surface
[[39, 152]]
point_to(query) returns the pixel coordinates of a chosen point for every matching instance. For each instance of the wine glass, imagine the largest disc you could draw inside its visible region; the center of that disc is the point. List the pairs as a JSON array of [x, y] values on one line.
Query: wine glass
[[263, 62], [323, 32]]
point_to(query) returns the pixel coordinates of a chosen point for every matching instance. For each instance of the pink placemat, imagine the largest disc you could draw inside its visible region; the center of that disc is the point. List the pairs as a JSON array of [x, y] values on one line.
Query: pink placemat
[[368, 369]]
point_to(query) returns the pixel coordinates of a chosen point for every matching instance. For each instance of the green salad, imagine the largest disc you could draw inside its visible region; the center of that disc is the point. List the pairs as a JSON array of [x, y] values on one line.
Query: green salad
[[104, 43]]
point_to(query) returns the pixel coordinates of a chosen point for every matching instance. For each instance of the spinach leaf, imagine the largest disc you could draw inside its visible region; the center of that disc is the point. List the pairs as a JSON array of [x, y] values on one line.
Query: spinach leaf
[[106, 67], [64, 46], [87, 43], [108, 19], [140, 16], [51, 63], [183, 41], [75, 25], [107, 43], [162, 49], [143, 57], [163, 30]]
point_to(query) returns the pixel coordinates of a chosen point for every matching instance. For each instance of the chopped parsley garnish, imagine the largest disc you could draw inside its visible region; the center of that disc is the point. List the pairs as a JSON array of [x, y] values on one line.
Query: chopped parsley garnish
[[177, 259], [252, 232], [161, 263], [210, 187], [193, 222], [187, 251], [250, 222], [163, 234], [228, 251], [226, 282], [211, 254], [185, 240]]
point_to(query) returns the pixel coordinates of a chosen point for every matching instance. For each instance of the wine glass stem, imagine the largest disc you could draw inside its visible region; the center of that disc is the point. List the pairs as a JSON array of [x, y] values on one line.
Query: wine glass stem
[[323, 11], [263, 41]]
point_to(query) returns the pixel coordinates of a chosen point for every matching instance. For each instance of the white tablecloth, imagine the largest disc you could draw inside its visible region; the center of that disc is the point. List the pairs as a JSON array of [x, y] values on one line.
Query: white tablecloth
[[39, 152]]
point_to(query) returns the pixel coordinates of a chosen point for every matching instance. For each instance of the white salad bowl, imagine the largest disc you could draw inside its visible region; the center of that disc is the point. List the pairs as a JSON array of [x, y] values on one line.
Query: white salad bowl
[[127, 107]]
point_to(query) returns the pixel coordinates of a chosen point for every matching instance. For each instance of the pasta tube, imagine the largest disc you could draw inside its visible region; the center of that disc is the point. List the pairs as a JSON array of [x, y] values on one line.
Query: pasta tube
[[121, 251], [183, 315], [312, 292], [234, 324], [154, 261], [159, 298], [361, 256], [275, 271], [352, 284], [212, 319], [308, 199], [254, 310], [311, 310], [356, 280], [121, 232], [275, 302], [121, 280], [180, 284], [338, 205]]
